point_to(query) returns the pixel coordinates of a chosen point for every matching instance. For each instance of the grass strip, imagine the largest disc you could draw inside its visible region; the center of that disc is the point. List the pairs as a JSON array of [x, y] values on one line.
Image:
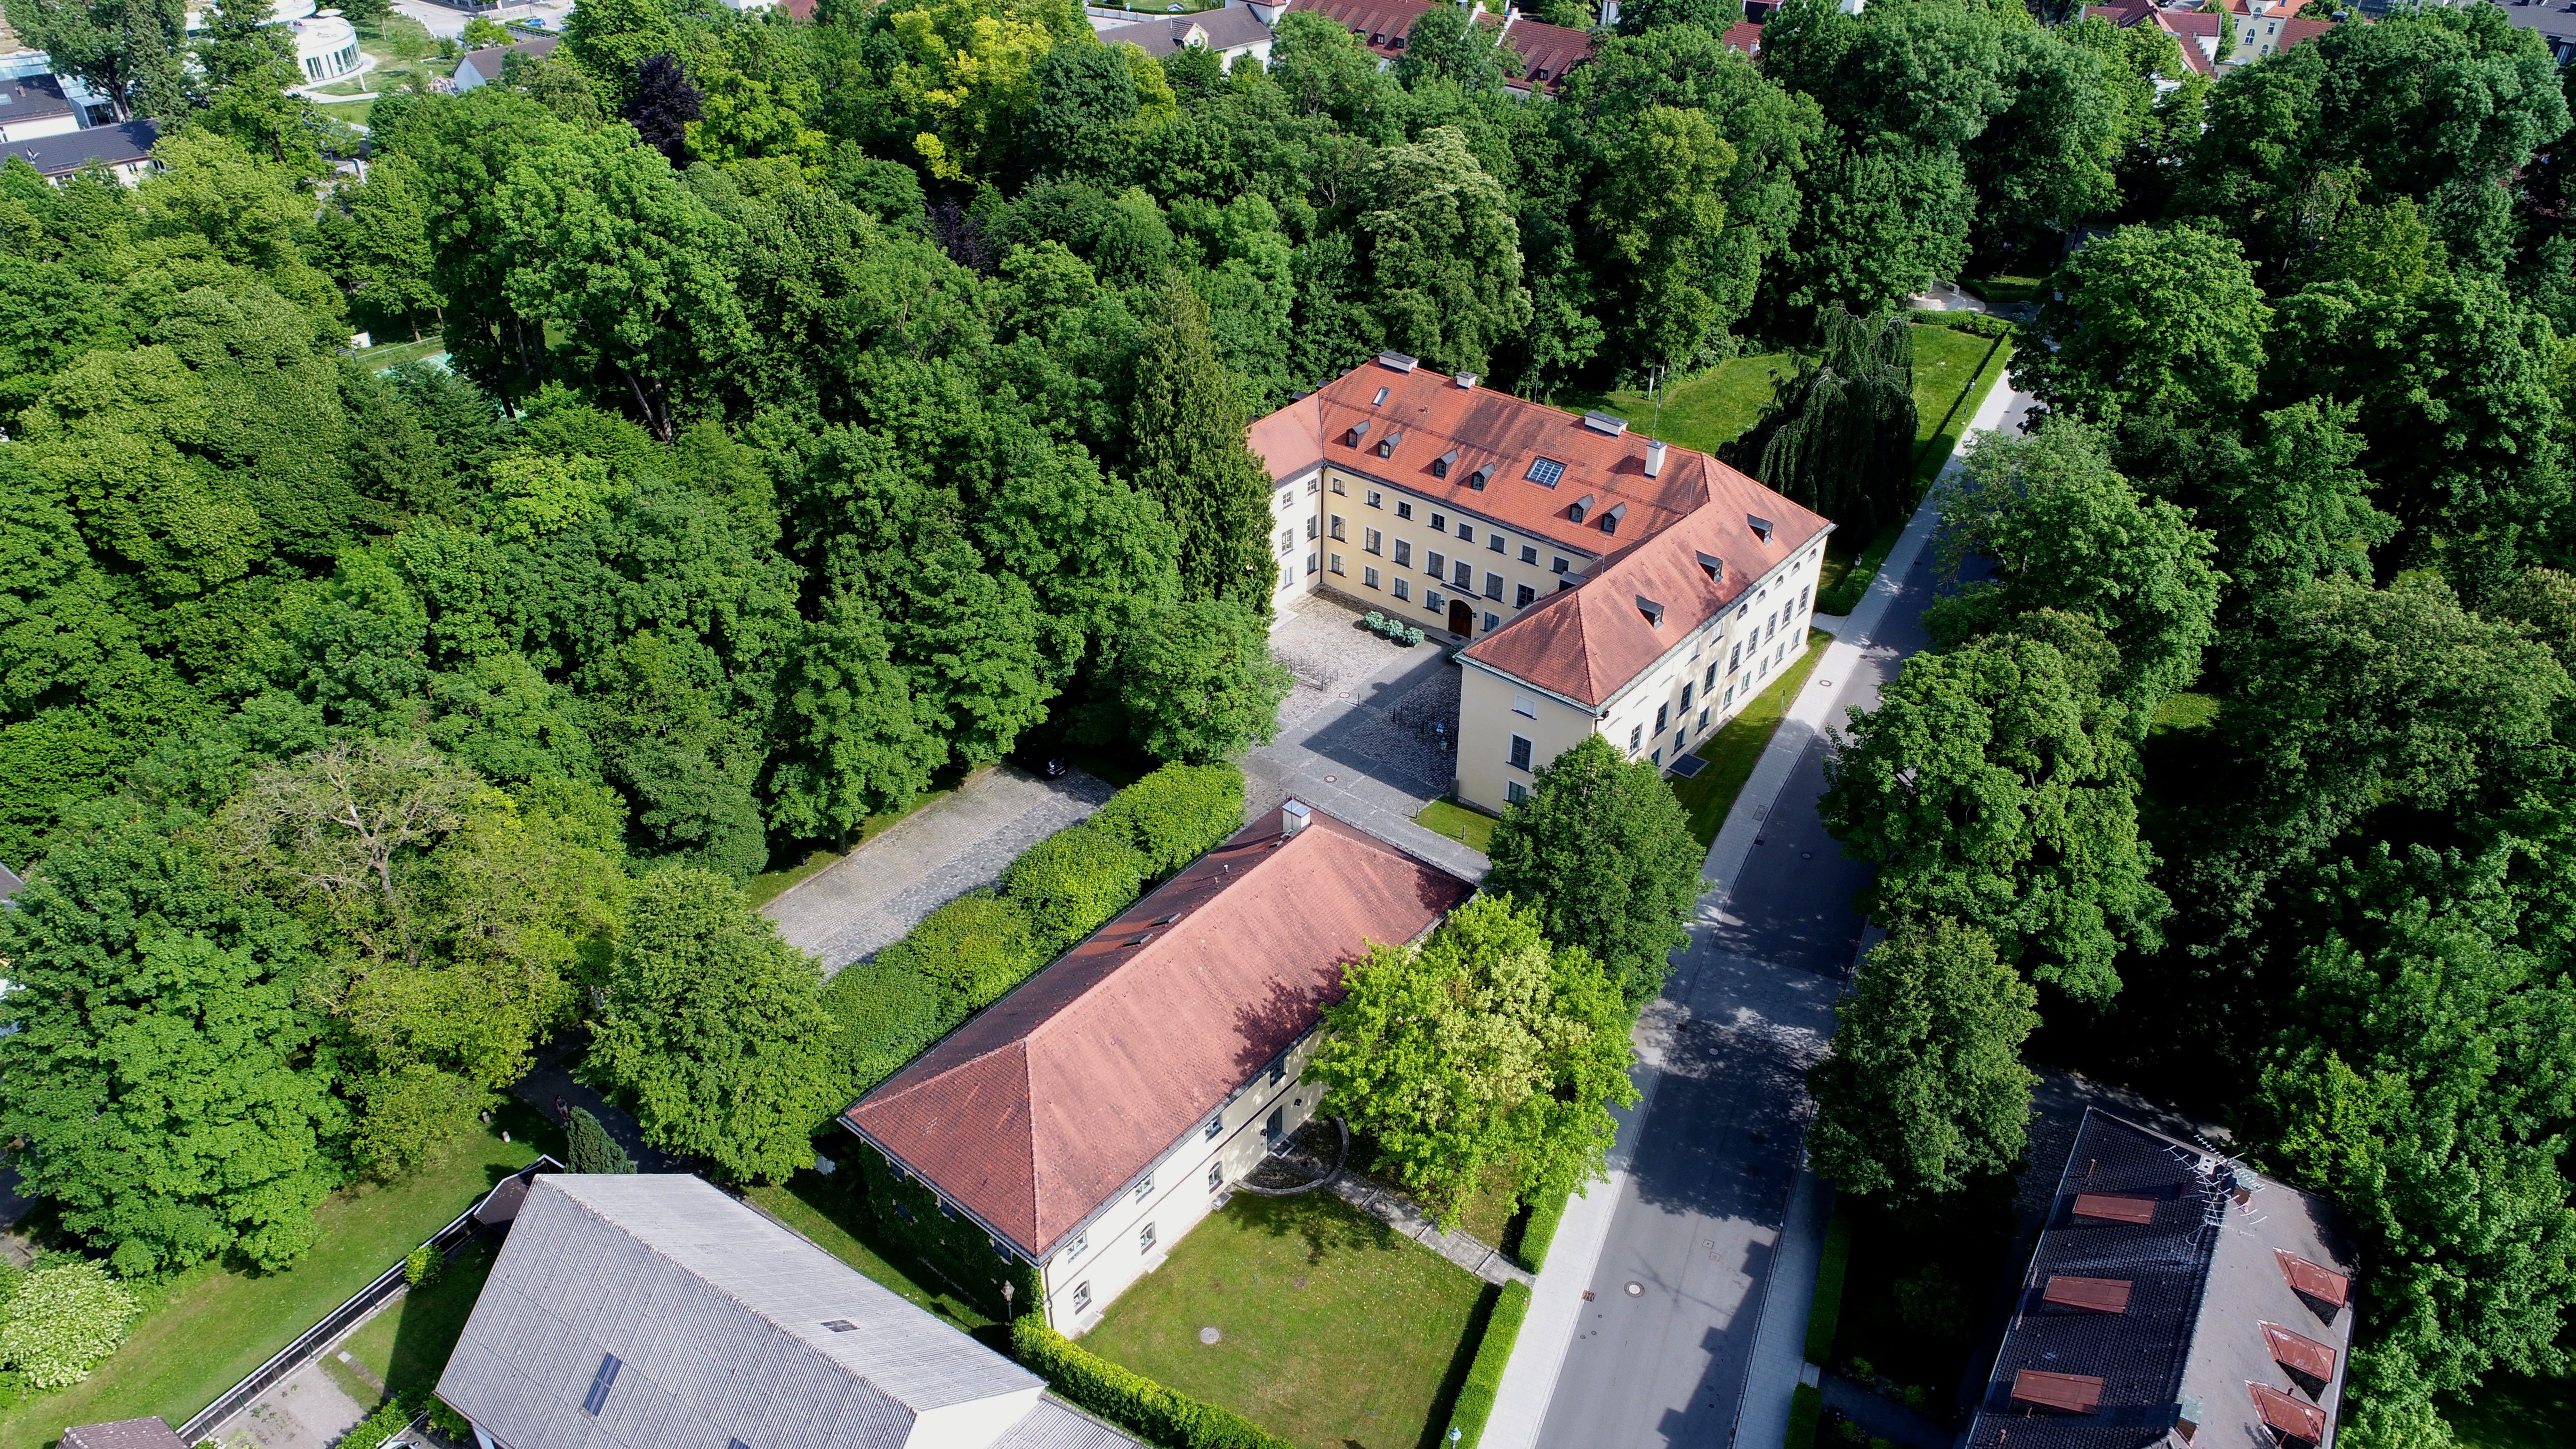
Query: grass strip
[[1465, 824], [1737, 746], [1485, 1376], [1825, 1317]]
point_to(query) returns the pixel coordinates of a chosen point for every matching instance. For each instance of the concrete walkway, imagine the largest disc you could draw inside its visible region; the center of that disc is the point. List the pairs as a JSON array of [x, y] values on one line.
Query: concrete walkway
[[1401, 1213], [865, 901], [1707, 1352]]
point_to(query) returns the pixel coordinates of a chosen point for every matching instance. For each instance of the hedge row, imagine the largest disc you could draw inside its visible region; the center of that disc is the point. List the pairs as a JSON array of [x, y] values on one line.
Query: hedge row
[[1544, 1219], [1128, 1399], [1806, 1413], [1982, 324], [970, 952], [1485, 1375], [1826, 1315]]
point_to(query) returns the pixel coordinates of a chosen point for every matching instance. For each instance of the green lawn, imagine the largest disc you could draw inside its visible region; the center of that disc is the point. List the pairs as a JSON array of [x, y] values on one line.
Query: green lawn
[[821, 1209], [2004, 291], [1468, 826], [406, 1346], [206, 1328], [2514, 1411], [1737, 746], [1335, 1332], [1953, 372], [1704, 412]]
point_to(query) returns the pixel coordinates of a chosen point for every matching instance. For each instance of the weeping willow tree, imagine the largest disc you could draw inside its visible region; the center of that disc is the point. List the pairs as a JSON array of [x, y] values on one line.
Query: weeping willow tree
[[1838, 433]]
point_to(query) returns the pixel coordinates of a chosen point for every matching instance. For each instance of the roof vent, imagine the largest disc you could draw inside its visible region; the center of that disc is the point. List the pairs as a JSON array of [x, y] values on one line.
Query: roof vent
[[1715, 566], [1351, 437], [1294, 817], [1601, 422], [1761, 527], [1653, 611], [1582, 506], [1610, 520], [1654, 458], [1440, 465], [1398, 361], [1467, 380]]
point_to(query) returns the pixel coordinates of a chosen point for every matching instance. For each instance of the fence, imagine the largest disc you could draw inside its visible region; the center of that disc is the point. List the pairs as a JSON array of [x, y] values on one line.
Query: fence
[[341, 1319]]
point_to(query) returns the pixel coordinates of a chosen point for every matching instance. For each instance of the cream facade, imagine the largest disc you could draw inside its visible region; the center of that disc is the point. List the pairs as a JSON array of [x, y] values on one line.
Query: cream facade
[[1509, 729], [1428, 561], [1131, 1236]]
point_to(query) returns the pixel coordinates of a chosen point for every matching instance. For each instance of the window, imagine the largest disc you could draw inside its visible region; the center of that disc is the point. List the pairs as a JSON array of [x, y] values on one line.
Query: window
[[1287, 574], [1493, 622], [1658, 756], [1145, 1189], [1710, 682], [1435, 563], [1557, 565], [1686, 693], [1278, 1068], [1373, 499], [1529, 554], [1730, 694], [1663, 713], [1216, 1124], [1466, 533], [1520, 759], [1493, 586], [1145, 1238], [1081, 1296], [1403, 589], [1335, 561], [1463, 574], [1312, 528], [1440, 523], [1734, 658], [1080, 1245], [1403, 553], [1703, 716], [1310, 487], [1545, 471], [1524, 706], [600, 1383], [1681, 737], [1403, 509], [1287, 539], [1636, 738], [946, 1211], [1287, 499], [904, 1212], [1368, 577], [1514, 792], [1802, 600], [1431, 600], [1563, 584], [1338, 488], [1380, 400], [1524, 596], [1372, 541], [1338, 531], [1311, 564], [1493, 543], [1216, 1176]]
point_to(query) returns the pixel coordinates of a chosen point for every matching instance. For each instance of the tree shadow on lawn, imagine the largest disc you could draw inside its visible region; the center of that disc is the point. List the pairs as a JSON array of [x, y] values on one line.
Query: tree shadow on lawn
[[1325, 1223]]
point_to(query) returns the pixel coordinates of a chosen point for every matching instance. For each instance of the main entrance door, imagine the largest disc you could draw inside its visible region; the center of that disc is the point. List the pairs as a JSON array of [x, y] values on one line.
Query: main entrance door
[[1462, 619]]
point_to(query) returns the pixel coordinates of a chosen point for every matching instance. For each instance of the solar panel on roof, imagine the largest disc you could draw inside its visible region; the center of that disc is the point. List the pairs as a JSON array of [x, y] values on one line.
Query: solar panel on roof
[[1545, 471], [600, 1383]]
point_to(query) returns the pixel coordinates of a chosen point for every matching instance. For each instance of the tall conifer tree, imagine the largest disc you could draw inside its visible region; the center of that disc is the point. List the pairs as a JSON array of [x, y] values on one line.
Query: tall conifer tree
[[1188, 420]]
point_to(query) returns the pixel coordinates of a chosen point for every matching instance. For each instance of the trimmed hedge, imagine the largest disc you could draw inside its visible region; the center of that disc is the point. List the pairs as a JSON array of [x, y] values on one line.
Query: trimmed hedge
[[1981, 324], [1544, 1219], [1176, 814], [1826, 1315], [972, 951], [1129, 1399], [889, 1014], [1073, 881], [1806, 1412], [1485, 1376]]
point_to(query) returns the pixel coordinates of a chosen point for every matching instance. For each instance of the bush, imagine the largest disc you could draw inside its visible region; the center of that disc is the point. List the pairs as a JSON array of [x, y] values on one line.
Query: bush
[[62, 1321], [1806, 1408], [1825, 1317], [421, 1264], [888, 1014], [1929, 1302], [589, 1148], [1073, 881], [1176, 814], [1485, 1376], [389, 1419], [1544, 1218], [1130, 1400], [974, 949]]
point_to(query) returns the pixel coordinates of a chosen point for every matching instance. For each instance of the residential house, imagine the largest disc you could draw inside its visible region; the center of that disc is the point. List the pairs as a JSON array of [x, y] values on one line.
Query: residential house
[[1607, 584], [483, 67], [2176, 1298], [2552, 19], [35, 106], [124, 149], [1385, 27], [1230, 32], [1092, 1117], [2263, 27], [651, 1311]]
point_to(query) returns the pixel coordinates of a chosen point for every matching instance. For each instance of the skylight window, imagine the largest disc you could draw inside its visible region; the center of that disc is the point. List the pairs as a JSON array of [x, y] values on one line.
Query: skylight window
[[600, 1383], [1545, 471], [1380, 400], [840, 1325]]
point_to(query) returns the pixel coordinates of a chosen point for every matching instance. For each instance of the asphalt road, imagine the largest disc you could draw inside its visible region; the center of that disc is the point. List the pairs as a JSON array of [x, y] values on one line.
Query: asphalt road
[[1660, 1355]]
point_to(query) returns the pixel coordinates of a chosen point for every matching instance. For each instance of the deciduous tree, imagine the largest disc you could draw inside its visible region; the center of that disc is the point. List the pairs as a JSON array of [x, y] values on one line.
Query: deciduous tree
[[1602, 853]]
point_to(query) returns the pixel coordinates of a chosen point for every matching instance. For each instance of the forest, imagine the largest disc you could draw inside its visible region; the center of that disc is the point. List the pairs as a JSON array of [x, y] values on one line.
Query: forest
[[832, 407]]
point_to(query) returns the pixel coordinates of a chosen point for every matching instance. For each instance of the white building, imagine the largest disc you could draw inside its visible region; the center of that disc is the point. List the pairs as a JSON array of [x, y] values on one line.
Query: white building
[[326, 45], [1609, 584]]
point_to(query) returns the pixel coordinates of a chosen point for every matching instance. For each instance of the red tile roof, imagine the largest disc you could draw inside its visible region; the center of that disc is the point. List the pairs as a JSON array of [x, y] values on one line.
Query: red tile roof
[[1055, 1098], [1547, 51], [1745, 36], [1588, 642], [1388, 21]]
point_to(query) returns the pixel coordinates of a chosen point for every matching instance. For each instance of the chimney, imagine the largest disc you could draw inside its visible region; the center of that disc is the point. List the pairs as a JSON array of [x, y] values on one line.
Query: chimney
[[1654, 459], [1467, 380], [1294, 817]]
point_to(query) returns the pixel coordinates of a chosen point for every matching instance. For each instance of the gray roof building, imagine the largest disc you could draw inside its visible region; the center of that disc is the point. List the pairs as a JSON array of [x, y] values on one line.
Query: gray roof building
[[123, 1434], [1229, 31], [482, 67], [2176, 1299], [650, 1311], [121, 147]]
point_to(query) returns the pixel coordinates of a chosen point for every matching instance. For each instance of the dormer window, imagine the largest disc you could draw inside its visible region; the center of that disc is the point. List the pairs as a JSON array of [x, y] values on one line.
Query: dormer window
[[1476, 480], [1581, 506], [1761, 527], [1654, 613], [1440, 465], [1610, 520], [1386, 445], [1356, 432], [1714, 567]]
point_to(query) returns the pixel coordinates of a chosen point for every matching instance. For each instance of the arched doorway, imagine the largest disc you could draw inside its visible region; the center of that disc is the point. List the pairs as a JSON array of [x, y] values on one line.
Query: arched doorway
[[1462, 618]]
